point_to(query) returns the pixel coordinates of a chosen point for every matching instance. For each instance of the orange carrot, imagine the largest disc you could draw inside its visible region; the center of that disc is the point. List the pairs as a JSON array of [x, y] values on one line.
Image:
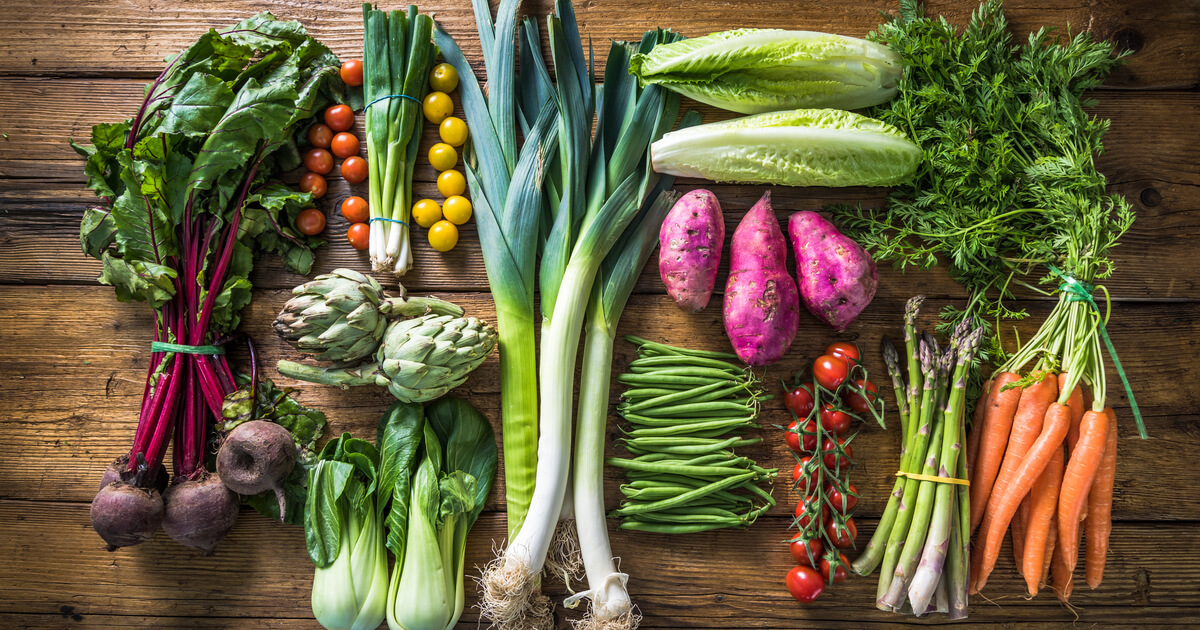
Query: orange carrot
[[1051, 539], [1060, 575], [1043, 505], [1078, 478], [977, 427], [1075, 402], [1016, 531], [1009, 492], [997, 422], [1099, 510]]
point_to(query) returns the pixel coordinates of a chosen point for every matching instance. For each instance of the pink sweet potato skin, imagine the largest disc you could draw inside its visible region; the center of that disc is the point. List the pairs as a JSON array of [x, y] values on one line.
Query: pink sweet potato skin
[[690, 244], [837, 277], [762, 306]]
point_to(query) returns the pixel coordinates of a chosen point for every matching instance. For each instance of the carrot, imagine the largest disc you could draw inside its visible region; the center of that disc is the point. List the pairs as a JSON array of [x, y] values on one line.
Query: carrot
[[977, 427], [1078, 478], [997, 422], [1043, 505], [1009, 492], [1060, 575], [1017, 532], [1051, 539], [1099, 509]]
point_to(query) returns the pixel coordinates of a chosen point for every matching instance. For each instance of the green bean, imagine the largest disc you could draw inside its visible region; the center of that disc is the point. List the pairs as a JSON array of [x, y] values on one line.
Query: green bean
[[669, 380], [670, 480], [651, 421], [652, 494], [645, 344], [696, 394], [669, 528], [693, 510], [721, 424], [674, 361], [745, 406], [691, 518], [682, 499], [649, 441], [650, 393], [753, 487], [704, 372]]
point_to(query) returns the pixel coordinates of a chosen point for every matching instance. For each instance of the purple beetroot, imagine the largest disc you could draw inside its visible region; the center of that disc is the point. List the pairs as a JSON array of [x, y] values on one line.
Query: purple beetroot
[[125, 513], [257, 456], [199, 512]]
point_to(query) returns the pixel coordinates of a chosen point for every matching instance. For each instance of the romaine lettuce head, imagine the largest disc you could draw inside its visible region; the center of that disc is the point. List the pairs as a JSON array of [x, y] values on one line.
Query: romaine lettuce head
[[805, 147], [751, 71]]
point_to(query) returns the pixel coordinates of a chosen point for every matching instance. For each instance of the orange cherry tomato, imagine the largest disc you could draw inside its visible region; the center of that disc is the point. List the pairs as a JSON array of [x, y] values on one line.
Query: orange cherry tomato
[[359, 236], [310, 222], [345, 145], [313, 183], [339, 117], [320, 135], [355, 210], [354, 169], [352, 72], [318, 161]]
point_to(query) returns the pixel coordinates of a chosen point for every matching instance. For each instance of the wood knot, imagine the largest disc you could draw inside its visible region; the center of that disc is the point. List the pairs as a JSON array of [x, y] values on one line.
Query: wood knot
[[1129, 39], [1150, 197]]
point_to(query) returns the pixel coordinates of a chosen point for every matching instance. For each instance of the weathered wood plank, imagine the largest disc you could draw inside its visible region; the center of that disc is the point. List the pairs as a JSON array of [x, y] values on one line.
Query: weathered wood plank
[[676, 585], [131, 39], [70, 406]]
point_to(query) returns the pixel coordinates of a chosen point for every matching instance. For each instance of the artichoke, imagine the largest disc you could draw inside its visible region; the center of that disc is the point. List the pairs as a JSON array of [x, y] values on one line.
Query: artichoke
[[419, 360], [341, 316]]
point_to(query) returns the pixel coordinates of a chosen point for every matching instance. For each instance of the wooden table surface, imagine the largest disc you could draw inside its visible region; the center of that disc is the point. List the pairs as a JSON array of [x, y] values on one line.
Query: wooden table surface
[[72, 359]]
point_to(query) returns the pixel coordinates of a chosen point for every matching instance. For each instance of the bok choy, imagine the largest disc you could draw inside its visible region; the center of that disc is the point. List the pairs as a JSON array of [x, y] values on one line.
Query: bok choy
[[752, 71]]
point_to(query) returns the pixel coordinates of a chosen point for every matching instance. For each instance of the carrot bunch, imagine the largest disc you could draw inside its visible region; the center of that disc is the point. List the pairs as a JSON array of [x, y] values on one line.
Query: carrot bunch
[[921, 541], [1043, 459]]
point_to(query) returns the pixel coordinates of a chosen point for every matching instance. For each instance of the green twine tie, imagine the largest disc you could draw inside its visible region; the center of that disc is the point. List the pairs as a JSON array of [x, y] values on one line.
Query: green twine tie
[[162, 346], [1079, 291]]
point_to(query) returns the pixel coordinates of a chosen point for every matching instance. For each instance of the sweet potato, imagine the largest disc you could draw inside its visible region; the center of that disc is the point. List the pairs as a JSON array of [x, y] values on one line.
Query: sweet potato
[[690, 244], [837, 277], [762, 306]]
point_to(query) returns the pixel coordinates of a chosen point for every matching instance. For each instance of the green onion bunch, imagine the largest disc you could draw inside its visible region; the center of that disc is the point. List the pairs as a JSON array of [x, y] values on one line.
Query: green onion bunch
[[689, 409]]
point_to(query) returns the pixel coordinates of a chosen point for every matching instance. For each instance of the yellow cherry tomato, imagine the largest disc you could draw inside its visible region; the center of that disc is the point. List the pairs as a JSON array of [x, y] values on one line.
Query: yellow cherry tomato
[[443, 78], [437, 107], [457, 209], [443, 236], [442, 156], [451, 183], [453, 131], [426, 212]]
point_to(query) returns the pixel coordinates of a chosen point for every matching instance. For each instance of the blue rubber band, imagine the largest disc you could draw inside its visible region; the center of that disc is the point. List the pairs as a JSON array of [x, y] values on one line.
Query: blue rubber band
[[387, 219], [389, 96]]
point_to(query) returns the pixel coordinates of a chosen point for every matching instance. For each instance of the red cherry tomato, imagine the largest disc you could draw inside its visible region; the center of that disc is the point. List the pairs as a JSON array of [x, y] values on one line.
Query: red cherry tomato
[[805, 553], [352, 72], [339, 117], [843, 502], [856, 401], [830, 371], [354, 169], [313, 183], [310, 222], [845, 350], [807, 509], [835, 421], [359, 236], [839, 574], [808, 439], [355, 210], [318, 161], [793, 438], [804, 475], [344, 145], [805, 584], [841, 536], [799, 400], [320, 136], [832, 459]]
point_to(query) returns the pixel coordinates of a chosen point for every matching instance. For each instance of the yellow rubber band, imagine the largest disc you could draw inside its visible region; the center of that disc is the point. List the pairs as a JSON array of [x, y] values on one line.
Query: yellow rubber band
[[934, 478]]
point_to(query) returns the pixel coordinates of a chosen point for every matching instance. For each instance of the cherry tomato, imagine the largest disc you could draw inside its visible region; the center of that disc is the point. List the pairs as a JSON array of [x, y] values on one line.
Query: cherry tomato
[[339, 117], [344, 145], [856, 401], [793, 438], [843, 503], [320, 136], [830, 371], [443, 235], [356, 210], [443, 78], [845, 350], [318, 161], [354, 169], [805, 584], [359, 236], [437, 106], [807, 509], [799, 400], [839, 574], [453, 131], [313, 183], [802, 482], [426, 212], [442, 157], [843, 536], [352, 71], [834, 420], [457, 209], [804, 553], [451, 183], [832, 458], [310, 222]]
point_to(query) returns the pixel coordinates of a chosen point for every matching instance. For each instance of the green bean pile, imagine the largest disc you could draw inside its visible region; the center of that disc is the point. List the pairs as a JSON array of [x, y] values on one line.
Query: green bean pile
[[687, 409]]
